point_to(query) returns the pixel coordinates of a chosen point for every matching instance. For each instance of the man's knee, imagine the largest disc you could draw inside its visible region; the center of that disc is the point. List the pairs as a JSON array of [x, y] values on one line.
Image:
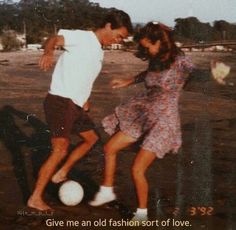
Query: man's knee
[[90, 138], [60, 146]]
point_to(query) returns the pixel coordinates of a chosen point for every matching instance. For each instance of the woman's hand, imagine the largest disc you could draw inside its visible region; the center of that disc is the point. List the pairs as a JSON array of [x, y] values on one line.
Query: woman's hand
[[120, 83], [219, 71]]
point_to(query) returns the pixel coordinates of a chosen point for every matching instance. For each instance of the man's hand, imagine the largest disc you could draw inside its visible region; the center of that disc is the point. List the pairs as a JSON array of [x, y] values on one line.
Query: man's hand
[[86, 106], [46, 61], [120, 83]]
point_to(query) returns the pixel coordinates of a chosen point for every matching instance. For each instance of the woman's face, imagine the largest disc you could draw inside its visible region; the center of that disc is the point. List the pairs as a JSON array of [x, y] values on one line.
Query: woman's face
[[153, 49]]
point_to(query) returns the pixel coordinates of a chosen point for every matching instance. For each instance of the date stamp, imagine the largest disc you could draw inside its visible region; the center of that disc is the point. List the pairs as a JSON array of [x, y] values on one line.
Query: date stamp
[[196, 211]]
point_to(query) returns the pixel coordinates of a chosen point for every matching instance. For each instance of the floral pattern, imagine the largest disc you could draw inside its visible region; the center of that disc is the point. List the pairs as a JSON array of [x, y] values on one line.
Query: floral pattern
[[153, 115]]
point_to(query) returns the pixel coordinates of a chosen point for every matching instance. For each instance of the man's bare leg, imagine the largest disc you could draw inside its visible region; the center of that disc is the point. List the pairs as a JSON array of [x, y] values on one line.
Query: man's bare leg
[[90, 138], [59, 151]]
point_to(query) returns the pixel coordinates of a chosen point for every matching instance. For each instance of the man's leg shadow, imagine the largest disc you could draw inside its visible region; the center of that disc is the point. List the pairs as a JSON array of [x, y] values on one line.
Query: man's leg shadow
[[14, 138]]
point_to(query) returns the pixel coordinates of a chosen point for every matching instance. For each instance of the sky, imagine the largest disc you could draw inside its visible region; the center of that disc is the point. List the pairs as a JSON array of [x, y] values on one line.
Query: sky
[[166, 11]]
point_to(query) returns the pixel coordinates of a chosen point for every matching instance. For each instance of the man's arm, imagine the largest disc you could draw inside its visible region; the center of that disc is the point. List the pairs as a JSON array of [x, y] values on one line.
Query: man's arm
[[46, 61]]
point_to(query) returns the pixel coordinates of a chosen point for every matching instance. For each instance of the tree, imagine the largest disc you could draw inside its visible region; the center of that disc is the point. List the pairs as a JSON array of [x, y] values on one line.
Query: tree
[[9, 41], [224, 30], [192, 29], [9, 16], [44, 17]]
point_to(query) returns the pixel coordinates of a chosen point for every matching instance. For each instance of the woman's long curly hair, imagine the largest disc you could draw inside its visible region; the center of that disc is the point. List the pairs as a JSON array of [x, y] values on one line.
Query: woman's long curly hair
[[155, 31]]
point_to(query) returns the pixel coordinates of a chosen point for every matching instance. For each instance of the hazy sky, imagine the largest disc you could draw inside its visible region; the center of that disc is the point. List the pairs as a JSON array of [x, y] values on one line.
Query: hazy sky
[[167, 10]]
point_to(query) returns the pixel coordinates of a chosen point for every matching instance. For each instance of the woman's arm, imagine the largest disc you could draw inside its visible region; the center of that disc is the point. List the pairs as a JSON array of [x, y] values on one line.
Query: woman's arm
[[46, 61], [140, 77], [120, 83]]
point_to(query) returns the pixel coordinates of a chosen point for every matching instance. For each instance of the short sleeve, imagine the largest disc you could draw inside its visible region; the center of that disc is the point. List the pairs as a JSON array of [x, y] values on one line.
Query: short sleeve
[[71, 37]]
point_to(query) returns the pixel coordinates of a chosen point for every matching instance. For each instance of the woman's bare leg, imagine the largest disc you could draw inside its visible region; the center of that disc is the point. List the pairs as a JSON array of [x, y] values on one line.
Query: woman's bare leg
[[117, 142], [141, 163], [113, 146]]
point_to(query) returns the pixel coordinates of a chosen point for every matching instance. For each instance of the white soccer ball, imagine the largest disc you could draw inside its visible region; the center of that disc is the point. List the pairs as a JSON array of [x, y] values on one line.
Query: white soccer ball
[[71, 193]]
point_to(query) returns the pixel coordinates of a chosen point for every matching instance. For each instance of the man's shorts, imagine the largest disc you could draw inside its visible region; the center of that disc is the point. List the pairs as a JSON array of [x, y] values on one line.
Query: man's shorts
[[64, 117]]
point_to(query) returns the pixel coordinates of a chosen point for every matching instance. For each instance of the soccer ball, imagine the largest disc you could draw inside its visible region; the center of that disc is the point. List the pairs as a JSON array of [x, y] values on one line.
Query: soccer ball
[[71, 193]]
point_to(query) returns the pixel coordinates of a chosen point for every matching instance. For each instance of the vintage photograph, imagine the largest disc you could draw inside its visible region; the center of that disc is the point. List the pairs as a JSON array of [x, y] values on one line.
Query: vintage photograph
[[118, 114]]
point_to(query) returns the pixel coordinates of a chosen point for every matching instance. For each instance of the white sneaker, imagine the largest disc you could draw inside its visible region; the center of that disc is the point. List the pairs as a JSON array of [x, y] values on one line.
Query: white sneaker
[[102, 198], [139, 217]]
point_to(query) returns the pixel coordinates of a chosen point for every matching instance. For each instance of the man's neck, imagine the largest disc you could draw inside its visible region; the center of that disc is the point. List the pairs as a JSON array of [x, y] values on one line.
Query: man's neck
[[99, 34]]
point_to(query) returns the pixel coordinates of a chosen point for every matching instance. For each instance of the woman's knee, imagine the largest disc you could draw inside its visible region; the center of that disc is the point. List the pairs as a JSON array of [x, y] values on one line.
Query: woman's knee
[[142, 162], [110, 149], [137, 171]]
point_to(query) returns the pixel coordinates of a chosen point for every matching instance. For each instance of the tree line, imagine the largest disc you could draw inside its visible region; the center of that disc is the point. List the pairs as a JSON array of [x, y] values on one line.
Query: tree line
[[191, 29], [40, 18]]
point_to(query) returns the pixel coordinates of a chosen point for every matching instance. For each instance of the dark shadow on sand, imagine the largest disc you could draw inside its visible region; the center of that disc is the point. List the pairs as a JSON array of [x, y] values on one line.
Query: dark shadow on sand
[[15, 139]]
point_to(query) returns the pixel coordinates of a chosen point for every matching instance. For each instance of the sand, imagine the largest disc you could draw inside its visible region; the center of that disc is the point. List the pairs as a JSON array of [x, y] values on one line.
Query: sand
[[196, 185]]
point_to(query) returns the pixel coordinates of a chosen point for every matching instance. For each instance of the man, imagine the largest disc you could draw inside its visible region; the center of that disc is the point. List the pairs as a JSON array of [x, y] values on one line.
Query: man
[[72, 80]]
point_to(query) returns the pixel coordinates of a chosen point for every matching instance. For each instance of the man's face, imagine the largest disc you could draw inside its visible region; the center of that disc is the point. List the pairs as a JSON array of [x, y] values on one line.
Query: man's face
[[114, 35]]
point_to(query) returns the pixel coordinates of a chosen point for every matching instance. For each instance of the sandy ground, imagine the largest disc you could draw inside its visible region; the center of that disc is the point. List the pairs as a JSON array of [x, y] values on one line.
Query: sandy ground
[[196, 187]]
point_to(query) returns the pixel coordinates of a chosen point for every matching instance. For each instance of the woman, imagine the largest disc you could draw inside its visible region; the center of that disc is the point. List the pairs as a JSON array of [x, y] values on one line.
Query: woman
[[152, 116]]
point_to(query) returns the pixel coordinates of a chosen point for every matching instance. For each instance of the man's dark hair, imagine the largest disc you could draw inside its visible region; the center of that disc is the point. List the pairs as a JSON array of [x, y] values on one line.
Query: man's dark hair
[[118, 18]]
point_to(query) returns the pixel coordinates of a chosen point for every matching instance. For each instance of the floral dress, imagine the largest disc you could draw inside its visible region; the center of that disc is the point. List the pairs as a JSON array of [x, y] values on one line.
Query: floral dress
[[153, 115]]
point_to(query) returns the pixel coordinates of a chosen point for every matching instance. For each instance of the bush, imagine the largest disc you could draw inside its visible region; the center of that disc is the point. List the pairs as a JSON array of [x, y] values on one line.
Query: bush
[[10, 41]]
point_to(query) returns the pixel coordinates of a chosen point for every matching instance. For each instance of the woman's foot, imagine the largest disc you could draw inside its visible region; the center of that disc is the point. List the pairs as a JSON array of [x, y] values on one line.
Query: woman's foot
[[103, 196], [39, 204], [140, 215], [58, 177]]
